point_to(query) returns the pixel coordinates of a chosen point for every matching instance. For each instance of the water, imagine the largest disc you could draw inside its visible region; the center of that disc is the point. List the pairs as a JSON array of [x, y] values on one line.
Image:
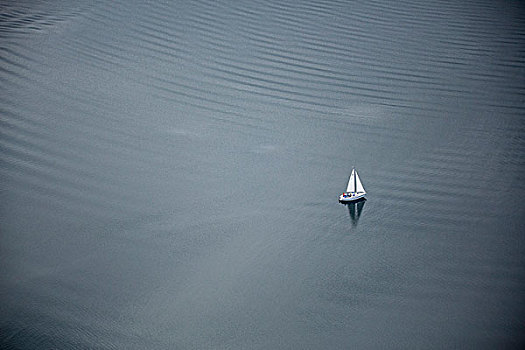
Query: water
[[170, 174]]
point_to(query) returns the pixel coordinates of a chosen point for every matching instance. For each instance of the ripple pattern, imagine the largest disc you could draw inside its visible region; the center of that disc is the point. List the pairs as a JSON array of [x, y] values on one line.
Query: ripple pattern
[[134, 136]]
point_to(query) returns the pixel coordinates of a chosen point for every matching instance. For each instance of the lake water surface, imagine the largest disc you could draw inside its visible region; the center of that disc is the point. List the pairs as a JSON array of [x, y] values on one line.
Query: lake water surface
[[169, 174]]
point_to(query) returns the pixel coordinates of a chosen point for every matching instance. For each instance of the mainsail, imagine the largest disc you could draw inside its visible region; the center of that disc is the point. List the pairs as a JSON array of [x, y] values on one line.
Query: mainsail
[[359, 185]]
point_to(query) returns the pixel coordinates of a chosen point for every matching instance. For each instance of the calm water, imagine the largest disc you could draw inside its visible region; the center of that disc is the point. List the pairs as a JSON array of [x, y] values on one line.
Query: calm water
[[169, 174]]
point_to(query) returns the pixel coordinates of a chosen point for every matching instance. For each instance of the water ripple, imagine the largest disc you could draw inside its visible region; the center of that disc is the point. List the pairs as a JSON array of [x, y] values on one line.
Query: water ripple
[[134, 136]]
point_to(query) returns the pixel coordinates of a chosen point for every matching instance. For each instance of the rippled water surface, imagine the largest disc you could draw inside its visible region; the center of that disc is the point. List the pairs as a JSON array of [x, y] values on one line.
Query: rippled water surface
[[169, 174]]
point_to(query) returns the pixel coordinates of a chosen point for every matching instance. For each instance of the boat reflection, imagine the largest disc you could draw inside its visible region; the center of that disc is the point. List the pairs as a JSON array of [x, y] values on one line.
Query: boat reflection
[[355, 209]]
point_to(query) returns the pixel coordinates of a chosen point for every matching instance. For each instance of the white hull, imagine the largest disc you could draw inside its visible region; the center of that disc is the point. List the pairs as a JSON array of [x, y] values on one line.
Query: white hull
[[353, 198]]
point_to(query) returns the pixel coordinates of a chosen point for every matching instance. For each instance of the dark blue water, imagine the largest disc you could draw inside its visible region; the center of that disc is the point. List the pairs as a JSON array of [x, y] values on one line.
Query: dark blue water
[[169, 174]]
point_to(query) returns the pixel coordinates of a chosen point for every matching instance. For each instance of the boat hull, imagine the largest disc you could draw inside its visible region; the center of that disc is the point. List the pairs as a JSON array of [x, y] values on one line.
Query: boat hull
[[352, 198]]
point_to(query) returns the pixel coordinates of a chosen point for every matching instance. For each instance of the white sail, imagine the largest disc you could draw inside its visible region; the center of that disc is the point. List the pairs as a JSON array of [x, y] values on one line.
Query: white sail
[[359, 185], [351, 182]]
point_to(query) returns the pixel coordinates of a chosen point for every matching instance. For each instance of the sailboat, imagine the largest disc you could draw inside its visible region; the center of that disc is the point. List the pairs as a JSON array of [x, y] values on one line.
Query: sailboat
[[354, 189]]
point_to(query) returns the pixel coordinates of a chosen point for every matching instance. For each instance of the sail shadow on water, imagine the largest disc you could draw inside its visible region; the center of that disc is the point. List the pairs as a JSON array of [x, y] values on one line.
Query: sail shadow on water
[[355, 210]]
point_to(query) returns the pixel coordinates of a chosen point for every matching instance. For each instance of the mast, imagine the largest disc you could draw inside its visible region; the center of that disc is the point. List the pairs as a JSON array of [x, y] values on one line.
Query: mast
[[355, 181]]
